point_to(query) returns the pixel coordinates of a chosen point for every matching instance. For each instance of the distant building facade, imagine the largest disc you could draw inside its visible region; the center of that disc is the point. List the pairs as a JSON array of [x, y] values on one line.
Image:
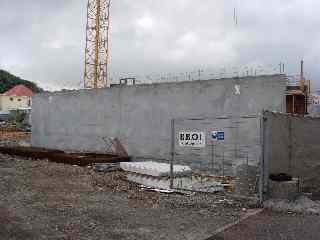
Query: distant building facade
[[17, 98]]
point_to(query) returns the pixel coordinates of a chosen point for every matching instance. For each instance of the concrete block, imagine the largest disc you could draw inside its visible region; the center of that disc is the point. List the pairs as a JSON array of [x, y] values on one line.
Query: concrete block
[[284, 190], [191, 183], [155, 169]]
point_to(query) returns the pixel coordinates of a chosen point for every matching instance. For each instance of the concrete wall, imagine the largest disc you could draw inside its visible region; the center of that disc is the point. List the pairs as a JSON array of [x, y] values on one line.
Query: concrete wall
[[314, 110], [238, 155], [241, 145], [140, 115], [292, 146]]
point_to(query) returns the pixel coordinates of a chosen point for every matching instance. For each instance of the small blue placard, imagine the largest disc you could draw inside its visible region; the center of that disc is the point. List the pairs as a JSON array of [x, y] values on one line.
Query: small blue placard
[[217, 135], [220, 136]]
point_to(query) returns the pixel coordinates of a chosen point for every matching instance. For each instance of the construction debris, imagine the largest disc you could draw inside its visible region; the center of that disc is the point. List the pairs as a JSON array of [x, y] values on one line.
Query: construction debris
[[14, 136], [155, 169], [113, 145], [157, 175], [145, 188], [107, 167], [58, 156]]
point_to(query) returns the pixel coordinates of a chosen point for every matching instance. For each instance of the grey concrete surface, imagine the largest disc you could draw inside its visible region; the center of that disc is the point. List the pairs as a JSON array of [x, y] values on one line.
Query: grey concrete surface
[[140, 115], [241, 144], [292, 146], [269, 225], [314, 110]]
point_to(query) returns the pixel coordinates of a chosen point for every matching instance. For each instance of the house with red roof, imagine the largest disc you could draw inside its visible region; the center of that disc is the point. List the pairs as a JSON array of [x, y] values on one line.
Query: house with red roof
[[16, 98]]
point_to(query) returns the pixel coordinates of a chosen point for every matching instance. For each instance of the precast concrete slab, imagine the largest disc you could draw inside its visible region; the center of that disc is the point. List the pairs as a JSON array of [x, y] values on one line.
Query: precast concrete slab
[[191, 183], [155, 169]]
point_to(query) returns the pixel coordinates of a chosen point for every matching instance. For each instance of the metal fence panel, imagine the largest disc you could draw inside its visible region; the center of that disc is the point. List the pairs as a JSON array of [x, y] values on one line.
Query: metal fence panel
[[230, 151]]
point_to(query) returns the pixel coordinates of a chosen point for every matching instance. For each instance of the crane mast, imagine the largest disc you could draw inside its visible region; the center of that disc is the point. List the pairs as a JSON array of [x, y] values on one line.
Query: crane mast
[[97, 44]]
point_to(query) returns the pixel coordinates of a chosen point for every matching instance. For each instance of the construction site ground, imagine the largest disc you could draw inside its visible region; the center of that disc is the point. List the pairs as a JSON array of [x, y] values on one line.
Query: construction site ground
[[44, 200], [14, 137], [269, 225]]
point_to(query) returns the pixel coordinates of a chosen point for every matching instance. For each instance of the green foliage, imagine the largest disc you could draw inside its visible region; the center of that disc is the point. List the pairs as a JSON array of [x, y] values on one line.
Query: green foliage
[[19, 118], [8, 81]]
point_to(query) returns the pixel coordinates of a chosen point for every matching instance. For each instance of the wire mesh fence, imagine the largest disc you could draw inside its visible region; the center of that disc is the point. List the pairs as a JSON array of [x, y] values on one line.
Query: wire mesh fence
[[221, 151], [204, 73]]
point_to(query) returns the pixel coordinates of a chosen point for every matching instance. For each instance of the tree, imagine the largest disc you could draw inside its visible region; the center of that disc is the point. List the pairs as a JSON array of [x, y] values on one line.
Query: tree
[[8, 81]]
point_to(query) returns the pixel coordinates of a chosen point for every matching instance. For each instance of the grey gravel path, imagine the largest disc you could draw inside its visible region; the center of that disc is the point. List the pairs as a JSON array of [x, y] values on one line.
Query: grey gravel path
[[269, 225]]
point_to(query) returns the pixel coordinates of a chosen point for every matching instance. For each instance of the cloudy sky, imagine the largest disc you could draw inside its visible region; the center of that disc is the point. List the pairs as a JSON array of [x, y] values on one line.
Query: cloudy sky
[[43, 40]]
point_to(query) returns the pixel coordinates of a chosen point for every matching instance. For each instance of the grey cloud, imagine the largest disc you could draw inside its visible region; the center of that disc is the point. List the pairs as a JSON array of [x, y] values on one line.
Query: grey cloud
[[43, 40]]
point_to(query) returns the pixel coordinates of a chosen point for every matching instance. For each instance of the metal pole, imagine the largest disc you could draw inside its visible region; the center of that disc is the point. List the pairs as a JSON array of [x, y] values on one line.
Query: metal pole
[[97, 45], [212, 157], [223, 162], [280, 67], [172, 160], [262, 174], [247, 167], [290, 147]]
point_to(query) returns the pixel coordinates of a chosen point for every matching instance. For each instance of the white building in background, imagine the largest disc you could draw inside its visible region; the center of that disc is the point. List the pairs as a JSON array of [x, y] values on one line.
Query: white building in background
[[17, 98]]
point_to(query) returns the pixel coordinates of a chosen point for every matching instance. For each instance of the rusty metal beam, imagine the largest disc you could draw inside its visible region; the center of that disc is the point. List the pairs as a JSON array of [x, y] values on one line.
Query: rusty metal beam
[[58, 156]]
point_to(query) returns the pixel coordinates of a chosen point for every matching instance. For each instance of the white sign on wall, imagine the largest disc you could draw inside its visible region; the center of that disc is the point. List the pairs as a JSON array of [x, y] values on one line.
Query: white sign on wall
[[315, 99], [192, 139], [237, 89]]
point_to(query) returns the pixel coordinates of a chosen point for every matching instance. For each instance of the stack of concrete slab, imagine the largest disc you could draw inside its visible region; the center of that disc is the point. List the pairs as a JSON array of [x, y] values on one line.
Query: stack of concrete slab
[[155, 169], [157, 175]]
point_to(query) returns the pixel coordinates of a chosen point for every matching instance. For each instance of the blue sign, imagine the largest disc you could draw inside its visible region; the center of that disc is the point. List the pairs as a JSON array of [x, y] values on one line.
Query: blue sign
[[220, 136], [217, 135]]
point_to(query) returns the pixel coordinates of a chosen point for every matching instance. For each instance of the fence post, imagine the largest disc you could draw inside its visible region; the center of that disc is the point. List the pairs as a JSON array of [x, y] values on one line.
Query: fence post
[[223, 161], [172, 160], [290, 145], [212, 157], [262, 159]]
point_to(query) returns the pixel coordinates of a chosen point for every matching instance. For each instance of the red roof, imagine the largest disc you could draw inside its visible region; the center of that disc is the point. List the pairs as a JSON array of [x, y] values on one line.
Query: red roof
[[19, 90]]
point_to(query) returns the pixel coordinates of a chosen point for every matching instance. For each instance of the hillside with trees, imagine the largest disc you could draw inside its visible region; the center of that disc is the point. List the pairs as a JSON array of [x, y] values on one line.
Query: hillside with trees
[[8, 80]]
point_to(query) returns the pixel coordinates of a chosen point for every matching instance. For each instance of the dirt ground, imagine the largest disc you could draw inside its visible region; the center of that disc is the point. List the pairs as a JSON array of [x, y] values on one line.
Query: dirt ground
[[14, 137], [42, 200]]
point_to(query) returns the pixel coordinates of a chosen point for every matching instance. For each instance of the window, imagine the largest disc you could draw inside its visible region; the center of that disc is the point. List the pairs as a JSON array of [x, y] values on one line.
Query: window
[[19, 99], [11, 99]]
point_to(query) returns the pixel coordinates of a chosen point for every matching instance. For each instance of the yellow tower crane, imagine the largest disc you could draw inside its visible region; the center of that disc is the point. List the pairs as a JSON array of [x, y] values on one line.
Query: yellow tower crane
[[97, 44]]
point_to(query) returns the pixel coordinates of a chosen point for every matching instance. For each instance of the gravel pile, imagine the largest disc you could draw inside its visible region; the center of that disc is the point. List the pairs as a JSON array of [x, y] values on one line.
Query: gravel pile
[[117, 182]]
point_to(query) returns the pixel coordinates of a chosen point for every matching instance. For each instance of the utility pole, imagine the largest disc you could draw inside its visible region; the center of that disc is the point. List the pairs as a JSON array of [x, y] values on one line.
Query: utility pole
[[199, 73], [281, 67], [302, 80], [97, 44]]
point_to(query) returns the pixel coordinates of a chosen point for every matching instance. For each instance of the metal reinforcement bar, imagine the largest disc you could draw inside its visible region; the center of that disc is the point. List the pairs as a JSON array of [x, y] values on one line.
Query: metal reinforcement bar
[[58, 156]]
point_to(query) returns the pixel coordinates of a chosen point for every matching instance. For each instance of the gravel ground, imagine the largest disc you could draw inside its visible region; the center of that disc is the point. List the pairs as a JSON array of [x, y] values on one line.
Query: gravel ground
[[302, 204], [42, 200], [270, 226], [14, 138]]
